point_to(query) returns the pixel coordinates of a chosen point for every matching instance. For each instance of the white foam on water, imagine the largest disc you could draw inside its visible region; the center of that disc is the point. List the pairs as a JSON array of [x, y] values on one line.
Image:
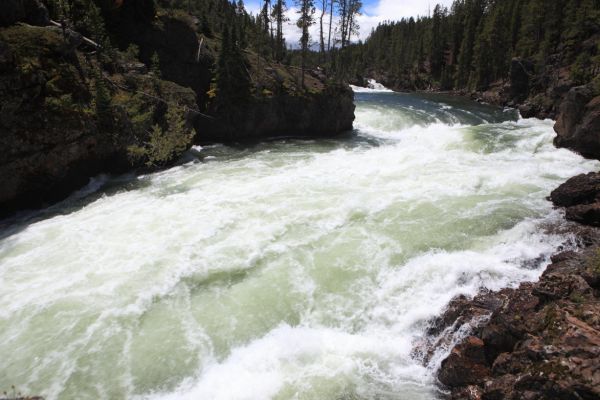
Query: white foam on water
[[372, 87], [294, 270]]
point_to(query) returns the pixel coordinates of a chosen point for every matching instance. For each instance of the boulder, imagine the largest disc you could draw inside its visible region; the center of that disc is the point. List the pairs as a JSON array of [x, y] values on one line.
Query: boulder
[[581, 189], [581, 196], [578, 123]]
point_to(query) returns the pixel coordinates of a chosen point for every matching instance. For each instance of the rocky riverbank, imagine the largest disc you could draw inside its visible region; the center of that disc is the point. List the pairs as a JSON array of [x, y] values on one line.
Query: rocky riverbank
[[540, 340]]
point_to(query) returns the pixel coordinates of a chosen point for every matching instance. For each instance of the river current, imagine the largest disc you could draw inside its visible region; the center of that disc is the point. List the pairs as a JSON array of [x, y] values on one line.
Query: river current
[[292, 269]]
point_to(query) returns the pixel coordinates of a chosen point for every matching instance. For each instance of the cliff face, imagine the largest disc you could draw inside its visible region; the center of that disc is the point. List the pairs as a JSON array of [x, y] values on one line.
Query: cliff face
[[182, 58], [536, 94], [321, 114], [61, 122], [67, 114]]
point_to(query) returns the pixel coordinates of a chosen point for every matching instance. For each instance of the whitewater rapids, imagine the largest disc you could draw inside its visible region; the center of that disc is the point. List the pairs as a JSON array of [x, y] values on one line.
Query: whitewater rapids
[[286, 270]]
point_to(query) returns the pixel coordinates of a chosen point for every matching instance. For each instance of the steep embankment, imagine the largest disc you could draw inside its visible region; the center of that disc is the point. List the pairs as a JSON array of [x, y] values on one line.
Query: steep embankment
[[64, 120], [70, 109], [277, 105], [540, 340]]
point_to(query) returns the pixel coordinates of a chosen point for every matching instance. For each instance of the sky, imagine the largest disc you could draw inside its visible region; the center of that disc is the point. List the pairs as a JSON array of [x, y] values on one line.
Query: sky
[[373, 13]]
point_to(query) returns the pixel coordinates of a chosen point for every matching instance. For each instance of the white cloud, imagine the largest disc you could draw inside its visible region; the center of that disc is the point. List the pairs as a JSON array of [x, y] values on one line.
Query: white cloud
[[394, 10], [384, 10]]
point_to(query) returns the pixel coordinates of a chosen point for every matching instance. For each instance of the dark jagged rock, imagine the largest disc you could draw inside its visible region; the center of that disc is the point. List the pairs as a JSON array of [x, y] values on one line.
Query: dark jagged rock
[[585, 213], [578, 124], [462, 310], [581, 196], [581, 189], [466, 364], [543, 343]]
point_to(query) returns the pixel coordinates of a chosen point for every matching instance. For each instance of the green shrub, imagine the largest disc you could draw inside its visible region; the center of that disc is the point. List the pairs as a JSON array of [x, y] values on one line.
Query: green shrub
[[164, 145], [580, 72], [132, 53]]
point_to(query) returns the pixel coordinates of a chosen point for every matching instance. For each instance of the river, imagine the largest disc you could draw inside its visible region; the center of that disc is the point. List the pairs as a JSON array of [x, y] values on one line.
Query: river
[[292, 269]]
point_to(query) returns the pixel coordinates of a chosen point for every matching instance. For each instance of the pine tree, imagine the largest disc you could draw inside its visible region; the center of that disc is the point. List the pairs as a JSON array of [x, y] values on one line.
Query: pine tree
[[155, 65], [278, 14], [233, 82], [474, 12], [331, 7], [324, 4], [348, 10], [438, 42], [305, 20], [102, 98]]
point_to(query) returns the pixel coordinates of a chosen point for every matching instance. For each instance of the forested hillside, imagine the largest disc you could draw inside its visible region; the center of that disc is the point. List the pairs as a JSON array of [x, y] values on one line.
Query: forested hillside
[[473, 44]]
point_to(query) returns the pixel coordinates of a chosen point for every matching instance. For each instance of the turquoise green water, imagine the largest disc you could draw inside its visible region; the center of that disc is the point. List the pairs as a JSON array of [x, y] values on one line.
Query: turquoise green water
[[285, 270]]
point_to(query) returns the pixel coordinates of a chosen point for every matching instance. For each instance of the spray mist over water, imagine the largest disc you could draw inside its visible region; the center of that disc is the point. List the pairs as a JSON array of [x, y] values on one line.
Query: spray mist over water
[[286, 270]]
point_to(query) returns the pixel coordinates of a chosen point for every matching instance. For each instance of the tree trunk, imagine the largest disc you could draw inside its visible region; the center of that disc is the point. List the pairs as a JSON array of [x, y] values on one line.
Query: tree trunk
[[330, 24], [322, 35]]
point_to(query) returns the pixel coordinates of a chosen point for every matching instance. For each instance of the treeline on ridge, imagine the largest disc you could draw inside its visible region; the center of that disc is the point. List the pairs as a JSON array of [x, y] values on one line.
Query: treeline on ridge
[[471, 44]]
